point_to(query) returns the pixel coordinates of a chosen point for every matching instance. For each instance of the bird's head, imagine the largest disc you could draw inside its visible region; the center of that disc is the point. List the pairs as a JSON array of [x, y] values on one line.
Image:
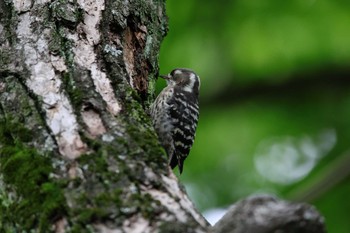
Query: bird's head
[[185, 79]]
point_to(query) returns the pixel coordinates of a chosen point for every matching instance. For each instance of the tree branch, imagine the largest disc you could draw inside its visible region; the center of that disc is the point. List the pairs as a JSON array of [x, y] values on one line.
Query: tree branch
[[267, 214]]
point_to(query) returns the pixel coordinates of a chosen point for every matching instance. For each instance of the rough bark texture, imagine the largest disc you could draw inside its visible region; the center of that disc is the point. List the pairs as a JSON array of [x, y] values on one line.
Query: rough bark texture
[[266, 214], [78, 153], [77, 150]]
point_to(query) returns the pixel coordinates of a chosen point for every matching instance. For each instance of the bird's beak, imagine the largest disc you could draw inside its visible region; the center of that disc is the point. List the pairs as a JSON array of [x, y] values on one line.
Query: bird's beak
[[166, 77]]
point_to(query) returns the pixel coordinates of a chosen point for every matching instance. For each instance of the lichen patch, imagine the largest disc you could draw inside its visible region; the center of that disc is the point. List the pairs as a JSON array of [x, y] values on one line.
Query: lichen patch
[[104, 87], [22, 5], [172, 186], [46, 84], [136, 225], [169, 202], [58, 63], [94, 123], [85, 55]]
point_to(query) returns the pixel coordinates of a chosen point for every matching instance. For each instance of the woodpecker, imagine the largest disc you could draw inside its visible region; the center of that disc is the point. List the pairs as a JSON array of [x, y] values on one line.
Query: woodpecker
[[175, 114]]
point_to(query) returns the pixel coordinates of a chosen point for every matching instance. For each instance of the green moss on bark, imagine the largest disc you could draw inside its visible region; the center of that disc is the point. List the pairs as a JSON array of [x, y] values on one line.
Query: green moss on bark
[[9, 21], [66, 12], [112, 191], [109, 188], [33, 200]]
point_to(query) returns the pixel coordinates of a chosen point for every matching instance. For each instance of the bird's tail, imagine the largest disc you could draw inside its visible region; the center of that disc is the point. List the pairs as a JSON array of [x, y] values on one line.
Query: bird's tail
[[174, 161]]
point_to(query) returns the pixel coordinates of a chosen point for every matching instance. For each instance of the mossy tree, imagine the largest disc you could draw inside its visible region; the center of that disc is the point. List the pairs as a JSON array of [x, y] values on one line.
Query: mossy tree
[[77, 149]]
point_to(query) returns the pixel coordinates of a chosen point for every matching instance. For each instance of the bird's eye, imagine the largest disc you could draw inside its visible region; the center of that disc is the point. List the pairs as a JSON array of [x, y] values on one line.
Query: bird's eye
[[172, 73]]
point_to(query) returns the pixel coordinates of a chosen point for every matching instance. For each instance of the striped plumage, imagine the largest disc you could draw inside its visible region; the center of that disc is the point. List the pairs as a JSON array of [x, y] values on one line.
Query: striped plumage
[[175, 114]]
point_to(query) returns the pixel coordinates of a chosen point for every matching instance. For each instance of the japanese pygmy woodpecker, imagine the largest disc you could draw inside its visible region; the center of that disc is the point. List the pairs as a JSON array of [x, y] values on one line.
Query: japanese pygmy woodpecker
[[175, 114]]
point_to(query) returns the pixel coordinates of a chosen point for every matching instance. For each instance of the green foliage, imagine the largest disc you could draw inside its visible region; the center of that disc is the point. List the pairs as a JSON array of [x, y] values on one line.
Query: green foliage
[[256, 41], [274, 99]]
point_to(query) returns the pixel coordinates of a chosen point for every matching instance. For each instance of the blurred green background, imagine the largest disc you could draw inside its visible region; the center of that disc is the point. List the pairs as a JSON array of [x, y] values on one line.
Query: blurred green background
[[275, 100]]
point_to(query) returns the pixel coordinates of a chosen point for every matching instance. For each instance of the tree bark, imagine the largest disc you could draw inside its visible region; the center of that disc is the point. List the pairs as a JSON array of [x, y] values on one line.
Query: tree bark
[[77, 149], [265, 214], [78, 152]]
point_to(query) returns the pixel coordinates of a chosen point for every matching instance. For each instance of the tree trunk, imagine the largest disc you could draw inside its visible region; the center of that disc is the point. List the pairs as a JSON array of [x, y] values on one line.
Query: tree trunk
[[78, 152], [77, 149]]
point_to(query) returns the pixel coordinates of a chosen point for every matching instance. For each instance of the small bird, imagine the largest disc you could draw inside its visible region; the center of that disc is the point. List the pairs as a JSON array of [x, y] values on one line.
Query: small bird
[[175, 114]]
